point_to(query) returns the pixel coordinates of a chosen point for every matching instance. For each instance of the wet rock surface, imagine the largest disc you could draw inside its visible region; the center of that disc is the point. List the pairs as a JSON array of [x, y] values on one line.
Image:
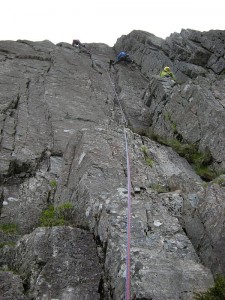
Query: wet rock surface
[[62, 141]]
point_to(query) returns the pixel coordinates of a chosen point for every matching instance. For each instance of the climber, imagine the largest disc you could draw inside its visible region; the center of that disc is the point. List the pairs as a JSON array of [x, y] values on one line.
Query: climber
[[167, 73], [122, 56], [77, 44]]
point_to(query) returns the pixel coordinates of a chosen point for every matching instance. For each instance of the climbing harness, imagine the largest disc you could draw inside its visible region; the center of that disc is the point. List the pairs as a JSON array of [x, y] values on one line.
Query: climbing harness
[[125, 123]]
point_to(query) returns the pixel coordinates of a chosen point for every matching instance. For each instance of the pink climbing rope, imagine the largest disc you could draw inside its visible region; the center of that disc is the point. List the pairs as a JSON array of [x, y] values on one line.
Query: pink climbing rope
[[127, 286], [128, 220]]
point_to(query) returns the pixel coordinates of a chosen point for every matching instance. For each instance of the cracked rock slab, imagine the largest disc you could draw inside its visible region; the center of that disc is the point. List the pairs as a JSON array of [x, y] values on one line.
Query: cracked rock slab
[[59, 263]]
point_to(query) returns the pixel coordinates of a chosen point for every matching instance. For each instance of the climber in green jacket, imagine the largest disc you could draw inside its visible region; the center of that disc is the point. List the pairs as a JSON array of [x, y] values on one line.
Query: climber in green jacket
[[167, 73]]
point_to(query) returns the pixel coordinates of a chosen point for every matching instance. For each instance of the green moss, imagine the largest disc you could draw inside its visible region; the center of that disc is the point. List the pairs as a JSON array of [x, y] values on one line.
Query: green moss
[[147, 157], [220, 181], [65, 211], [205, 172], [10, 244], [160, 188], [5, 268], [58, 216], [8, 228], [149, 161], [144, 150], [167, 116], [200, 161], [53, 184], [49, 219], [215, 293], [204, 185], [174, 127], [185, 150]]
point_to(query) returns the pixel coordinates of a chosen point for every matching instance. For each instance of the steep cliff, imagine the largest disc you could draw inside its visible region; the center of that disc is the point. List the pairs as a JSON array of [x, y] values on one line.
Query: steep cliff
[[62, 141]]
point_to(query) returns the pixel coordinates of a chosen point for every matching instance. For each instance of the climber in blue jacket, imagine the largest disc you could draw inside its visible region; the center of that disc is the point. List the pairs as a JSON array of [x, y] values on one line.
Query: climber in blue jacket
[[122, 56]]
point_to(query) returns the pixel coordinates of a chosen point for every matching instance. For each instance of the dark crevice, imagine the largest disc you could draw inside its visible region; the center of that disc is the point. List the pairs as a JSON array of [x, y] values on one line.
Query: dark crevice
[[50, 197], [17, 167], [101, 290], [28, 84], [27, 280], [5, 51], [26, 286], [17, 102], [200, 244], [34, 57], [21, 170], [185, 231], [49, 68], [102, 245], [178, 136], [81, 119]]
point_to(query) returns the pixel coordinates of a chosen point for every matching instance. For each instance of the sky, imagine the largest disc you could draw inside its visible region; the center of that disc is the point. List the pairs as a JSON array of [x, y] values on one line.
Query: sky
[[104, 21]]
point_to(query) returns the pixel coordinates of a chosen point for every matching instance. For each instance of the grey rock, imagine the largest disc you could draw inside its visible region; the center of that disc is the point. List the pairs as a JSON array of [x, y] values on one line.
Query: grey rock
[[59, 263], [189, 53], [190, 113], [99, 194], [61, 122], [204, 211], [11, 286]]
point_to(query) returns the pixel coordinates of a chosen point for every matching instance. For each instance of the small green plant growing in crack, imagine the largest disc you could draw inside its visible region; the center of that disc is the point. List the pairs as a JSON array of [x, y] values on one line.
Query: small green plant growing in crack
[[204, 185], [174, 127], [205, 172], [217, 292], [53, 184], [65, 211], [167, 116], [58, 216], [200, 161], [9, 244], [5, 268], [144, 150], [147, 157], [220, 180], [9, 228], [159, 188], [149, 161]]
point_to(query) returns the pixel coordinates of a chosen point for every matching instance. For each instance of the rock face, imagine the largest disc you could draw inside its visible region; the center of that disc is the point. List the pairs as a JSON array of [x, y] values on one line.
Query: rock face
[[58, 263], [62, 121], [195, 106]]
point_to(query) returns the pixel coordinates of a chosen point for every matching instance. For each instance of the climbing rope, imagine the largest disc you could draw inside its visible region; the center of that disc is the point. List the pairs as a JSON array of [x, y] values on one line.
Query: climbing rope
[[125, 123], [128, 220], [124, 120]]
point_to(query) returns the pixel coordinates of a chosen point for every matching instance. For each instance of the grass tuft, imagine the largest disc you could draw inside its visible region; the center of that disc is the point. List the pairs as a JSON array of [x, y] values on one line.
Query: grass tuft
[[58, 216], [215, 293], [8, 228]]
